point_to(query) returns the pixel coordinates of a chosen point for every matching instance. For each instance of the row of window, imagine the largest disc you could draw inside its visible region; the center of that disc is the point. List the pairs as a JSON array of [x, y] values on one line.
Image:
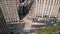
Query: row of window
[[46, 16], [49, 1], [22, 1], [7, 0], [11, 20], [9, 15], [9, 10], [10, 0]]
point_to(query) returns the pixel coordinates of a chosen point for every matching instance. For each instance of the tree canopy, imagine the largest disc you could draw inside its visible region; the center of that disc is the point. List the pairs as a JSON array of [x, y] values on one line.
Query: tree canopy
[[49, 30]]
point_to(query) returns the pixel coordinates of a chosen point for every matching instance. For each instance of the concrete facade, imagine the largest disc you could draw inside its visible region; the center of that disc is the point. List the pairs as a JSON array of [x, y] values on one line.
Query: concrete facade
[[9, 10], [47, 8], [10, 13]]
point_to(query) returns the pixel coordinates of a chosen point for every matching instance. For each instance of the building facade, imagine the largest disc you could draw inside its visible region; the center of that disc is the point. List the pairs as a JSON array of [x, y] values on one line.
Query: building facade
[[45, 8], [3, 29], [9, 10], [11, 17]]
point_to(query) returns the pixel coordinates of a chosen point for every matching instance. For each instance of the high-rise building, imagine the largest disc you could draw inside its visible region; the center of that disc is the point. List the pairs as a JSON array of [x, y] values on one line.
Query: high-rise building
[[3, 29], [9, 10], [45, 8], [10, 14]]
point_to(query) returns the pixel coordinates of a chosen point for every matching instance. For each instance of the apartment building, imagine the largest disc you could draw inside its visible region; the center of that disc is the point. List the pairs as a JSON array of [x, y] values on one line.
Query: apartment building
[[45, 8]]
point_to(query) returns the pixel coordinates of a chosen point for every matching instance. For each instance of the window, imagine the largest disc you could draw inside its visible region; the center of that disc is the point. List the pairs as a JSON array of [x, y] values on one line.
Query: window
[[39, 1], [11, 32], [56, 1], [45, 15], [51, 2], [59, 1], [9, 0], [46, 2], [0, 9], [22, 1], [43, 1], [6, 0], [0, 12], [11, 25], [59, 10]]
